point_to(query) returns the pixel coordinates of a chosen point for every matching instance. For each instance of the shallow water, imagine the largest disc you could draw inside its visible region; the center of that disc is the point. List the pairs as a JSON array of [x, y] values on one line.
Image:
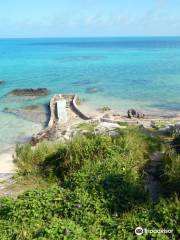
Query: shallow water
[[119, 72]]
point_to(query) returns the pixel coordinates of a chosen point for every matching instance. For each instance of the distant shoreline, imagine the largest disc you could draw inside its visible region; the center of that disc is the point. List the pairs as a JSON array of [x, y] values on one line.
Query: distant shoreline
[[90, 37]]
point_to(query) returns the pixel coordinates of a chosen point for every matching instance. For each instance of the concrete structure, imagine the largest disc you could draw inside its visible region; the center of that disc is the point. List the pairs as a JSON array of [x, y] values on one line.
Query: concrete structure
[[62, 111], [77, 110]]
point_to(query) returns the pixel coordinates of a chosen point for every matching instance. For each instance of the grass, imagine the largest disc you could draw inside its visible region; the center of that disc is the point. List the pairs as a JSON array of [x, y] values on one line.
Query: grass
[[123, 124], [87, 127], [94, 190], [57, 160], [160, 124], [171, 172]]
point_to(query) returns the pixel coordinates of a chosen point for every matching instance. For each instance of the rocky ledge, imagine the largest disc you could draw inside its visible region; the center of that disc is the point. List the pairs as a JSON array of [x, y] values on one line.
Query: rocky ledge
[[29, 92]]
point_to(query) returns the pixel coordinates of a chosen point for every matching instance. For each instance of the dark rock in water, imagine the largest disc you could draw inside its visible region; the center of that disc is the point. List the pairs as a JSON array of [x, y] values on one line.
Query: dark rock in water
[[29, 92], [92, 90], [80, 83], [2, 82], [84, 82], [34, 113], [134, 113], [32, 108]]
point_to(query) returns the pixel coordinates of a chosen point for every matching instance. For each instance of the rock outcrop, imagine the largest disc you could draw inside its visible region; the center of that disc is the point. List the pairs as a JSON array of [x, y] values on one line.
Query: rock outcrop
[[133, 113], [2, 82], [29, 92]]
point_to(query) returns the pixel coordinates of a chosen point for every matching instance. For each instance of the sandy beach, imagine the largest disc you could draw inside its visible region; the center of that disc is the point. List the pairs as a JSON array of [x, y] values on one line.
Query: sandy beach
[[7, 166]]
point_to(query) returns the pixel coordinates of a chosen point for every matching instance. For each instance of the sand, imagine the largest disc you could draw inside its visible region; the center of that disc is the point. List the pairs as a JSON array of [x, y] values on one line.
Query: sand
[[7, 166]]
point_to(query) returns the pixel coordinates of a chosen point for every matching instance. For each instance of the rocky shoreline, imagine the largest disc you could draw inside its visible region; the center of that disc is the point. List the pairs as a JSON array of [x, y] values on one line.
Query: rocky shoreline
[[103, 120]]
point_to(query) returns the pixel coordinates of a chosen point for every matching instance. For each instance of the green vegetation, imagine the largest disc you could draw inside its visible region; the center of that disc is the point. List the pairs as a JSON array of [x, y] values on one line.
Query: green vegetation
[[123, 124], [160, 124], [95, 190], [87, 127], [171, 172]]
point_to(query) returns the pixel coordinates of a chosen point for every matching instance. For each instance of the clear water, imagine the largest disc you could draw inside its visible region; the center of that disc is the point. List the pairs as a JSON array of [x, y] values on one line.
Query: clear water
[[125, 72]]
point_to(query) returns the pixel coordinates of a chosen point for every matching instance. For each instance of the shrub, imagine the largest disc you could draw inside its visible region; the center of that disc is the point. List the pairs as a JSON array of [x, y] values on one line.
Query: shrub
[[57, 213], [100, 196], [57, 160], [171, 172]]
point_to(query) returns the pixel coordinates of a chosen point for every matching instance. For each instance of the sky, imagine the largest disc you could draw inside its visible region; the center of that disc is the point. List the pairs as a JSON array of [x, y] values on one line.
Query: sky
[[89, 18]]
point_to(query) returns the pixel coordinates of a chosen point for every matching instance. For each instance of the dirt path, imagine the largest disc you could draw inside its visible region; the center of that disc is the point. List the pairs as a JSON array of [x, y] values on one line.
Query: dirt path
[[152, 180]]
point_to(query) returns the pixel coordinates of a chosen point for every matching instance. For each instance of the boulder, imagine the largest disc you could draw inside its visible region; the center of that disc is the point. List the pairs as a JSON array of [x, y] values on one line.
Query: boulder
[[108, 116], [105, 127], [133, 113], [29, 92], [92, 90]]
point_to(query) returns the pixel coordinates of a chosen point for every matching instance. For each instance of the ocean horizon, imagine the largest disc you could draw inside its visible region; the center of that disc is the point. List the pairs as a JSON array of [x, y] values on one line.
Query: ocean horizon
[[119, 72]]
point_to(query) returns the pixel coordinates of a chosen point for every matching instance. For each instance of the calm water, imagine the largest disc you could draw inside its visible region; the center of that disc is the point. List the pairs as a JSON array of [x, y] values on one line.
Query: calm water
[[123, 72]]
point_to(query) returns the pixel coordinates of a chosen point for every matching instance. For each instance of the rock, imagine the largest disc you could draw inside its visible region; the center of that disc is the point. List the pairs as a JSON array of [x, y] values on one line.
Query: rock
[[107, 116], [83, 82], [92, 90], [109, 126], [32, 108], [116, 114], [134, 113], [131, 113], [153, 124], [2, 82], [104, 109], [171, 128], [95, 121], [105, 127], [29, 92], [177, 128]]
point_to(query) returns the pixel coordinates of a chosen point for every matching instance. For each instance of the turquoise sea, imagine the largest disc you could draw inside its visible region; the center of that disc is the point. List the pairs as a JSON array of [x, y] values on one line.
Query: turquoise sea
[[122, 73]]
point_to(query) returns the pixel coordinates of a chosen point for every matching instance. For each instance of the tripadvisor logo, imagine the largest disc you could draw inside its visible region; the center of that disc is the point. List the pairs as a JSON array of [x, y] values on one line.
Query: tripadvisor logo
[[139, 231]]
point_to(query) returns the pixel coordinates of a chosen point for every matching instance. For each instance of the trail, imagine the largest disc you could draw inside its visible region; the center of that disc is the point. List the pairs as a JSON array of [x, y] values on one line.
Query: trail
[[152, 181]]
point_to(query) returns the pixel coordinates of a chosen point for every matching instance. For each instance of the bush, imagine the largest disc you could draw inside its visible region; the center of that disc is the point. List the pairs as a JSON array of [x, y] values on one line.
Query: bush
[[58, 160], [100, 195], [57, 213], [171, 172]]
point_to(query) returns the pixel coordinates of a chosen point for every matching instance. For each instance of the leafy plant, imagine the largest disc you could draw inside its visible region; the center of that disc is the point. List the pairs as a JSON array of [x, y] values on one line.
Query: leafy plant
[[95, 190]]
